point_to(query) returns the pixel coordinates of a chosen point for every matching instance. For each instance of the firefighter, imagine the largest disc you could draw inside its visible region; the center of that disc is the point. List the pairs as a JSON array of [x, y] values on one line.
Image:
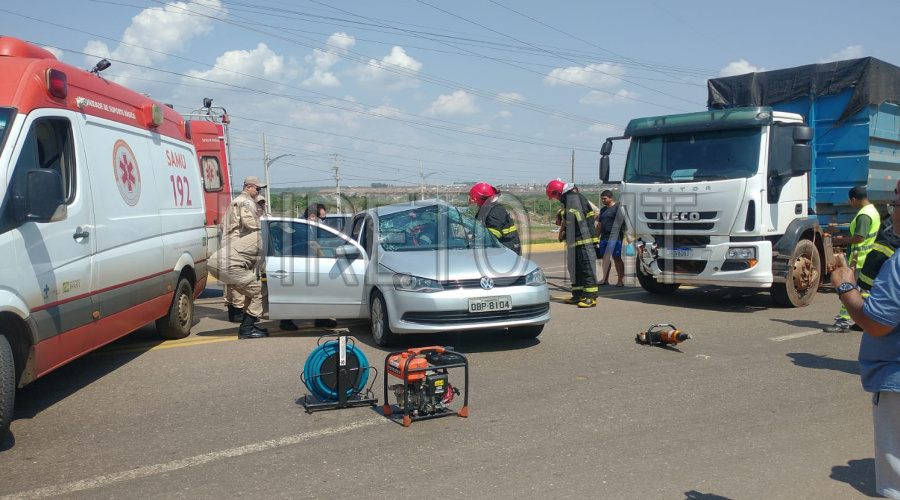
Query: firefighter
[[581, 237], [494, 216], [236, 262]]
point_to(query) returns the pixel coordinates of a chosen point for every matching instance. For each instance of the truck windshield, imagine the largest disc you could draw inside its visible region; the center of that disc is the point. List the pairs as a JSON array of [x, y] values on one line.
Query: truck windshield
[[694, 156], [6, 118]]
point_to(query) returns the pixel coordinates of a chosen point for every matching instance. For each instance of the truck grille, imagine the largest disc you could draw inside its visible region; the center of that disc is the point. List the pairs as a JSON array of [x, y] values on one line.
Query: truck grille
[[681, 266], [441, 318], [681, 226]]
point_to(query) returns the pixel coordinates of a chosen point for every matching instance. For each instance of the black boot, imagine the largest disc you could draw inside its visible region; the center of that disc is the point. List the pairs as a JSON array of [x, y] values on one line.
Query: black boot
[[287, 325], [248, 331], [264, 330], [235, 315]]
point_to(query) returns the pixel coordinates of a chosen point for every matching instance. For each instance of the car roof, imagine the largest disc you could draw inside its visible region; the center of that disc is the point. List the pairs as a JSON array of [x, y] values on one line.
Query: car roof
[[406, 206]]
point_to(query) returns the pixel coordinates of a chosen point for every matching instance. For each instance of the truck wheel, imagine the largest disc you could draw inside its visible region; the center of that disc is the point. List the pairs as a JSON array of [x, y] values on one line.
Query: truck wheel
[[526, 332], [650, 284], [177, 323], [381, 328], [7, 386], [801, 285]]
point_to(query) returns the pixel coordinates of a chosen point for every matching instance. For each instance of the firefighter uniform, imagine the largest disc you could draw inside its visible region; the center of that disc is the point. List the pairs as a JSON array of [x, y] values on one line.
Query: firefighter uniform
[[581, 238], [236, 261], [497, 220]]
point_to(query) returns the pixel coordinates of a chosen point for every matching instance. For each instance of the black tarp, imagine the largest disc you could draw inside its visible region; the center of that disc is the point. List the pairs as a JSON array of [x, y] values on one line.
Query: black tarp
[[873, 80]]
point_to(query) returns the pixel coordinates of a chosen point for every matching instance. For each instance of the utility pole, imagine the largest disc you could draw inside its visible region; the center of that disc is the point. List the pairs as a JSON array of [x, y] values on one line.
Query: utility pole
[[421, 181], [266, 173], [573, 166], [337, 181]]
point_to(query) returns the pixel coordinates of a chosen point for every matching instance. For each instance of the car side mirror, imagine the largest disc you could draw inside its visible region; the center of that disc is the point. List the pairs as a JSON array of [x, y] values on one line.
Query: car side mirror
[[348, 252]]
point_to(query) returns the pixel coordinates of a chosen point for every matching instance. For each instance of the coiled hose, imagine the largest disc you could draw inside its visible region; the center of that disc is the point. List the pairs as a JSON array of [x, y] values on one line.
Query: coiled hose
[[321, 371]]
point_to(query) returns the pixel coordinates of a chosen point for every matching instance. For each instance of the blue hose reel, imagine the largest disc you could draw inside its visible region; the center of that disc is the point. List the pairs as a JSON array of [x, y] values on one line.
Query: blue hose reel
[[336, 373]]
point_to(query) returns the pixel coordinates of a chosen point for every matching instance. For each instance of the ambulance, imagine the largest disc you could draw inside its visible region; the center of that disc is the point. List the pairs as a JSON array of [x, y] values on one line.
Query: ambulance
[[102, 216], [209, 126]]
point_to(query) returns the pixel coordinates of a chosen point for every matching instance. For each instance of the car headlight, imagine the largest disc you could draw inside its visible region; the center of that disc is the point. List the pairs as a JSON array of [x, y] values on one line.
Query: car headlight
[[410, 283], [741, 253], [535, 278]]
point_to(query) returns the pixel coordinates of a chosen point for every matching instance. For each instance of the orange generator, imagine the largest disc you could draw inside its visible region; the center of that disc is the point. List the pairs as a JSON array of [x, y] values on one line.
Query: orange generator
[[424, 390]]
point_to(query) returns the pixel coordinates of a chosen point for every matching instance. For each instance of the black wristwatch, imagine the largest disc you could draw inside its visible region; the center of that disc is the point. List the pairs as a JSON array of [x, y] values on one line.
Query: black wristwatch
[[846, 287]]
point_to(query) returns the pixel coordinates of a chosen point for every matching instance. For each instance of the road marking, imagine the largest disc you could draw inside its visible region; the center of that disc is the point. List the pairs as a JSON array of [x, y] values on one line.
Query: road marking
[[156, 469], [795, 335]]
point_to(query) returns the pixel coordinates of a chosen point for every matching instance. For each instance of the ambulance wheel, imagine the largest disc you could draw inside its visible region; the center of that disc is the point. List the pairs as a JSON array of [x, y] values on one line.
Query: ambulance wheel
[[7, 386], [381, 327], [177, 323], [803, 281], [526, 332]]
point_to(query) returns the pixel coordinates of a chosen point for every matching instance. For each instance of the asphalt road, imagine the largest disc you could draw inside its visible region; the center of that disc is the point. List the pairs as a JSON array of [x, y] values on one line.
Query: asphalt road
[[758, 405]]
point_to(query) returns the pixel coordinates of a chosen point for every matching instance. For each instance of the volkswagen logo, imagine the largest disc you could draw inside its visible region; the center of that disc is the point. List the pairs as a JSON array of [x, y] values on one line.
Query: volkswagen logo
[[487, 283]]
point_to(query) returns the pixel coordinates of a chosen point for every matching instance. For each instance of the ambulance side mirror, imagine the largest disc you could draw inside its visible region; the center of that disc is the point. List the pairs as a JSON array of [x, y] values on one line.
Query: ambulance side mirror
[[43, 197]]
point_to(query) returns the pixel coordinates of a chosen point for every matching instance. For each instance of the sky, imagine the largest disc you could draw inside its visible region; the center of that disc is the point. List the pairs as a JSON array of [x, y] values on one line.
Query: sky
[[412, 92]]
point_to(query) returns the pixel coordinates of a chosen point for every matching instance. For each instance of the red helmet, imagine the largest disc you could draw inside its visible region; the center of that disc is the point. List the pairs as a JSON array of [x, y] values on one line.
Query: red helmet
[[555, 189], [481, 192]]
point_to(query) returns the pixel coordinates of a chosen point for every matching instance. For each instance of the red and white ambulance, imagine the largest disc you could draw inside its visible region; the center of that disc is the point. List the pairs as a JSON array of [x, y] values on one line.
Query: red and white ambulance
[[209, 126], [102, 218]]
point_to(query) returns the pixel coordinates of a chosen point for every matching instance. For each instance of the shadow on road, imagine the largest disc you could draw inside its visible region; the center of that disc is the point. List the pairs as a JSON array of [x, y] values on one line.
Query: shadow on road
[[696, 495], [78, 374], [807, 360], [860, 474], [802, 323]]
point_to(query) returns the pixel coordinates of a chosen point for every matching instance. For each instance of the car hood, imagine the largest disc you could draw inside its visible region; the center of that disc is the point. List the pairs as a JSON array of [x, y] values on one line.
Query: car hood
[[458, 263]]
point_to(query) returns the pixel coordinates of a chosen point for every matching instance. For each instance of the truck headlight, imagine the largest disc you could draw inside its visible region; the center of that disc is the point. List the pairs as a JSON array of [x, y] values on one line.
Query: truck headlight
[[535, 278], [410, 283], [741, 253]]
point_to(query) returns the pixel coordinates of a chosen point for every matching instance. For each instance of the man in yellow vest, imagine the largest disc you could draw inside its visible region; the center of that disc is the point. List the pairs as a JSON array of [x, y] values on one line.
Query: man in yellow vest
[[863, 230]]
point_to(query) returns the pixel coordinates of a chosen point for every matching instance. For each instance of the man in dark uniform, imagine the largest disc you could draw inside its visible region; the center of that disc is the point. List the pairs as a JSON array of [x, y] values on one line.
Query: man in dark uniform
[[494, 216], [581, 237]]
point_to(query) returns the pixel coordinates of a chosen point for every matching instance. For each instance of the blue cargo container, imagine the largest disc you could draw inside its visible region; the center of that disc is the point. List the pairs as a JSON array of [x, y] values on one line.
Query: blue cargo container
[[853, 109]]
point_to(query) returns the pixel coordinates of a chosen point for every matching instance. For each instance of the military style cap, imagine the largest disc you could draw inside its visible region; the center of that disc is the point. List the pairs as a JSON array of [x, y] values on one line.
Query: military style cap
[[254, 181]]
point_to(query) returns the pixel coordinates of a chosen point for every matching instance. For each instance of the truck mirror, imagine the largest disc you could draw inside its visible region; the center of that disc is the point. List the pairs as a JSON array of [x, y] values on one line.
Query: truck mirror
[[604, 169], [802, 134], [801, 158], [43, 196], [606, 148]]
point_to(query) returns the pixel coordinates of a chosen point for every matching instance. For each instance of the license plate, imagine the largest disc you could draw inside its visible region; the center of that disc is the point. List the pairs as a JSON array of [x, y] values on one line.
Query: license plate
[[490, 304], [674, 253]]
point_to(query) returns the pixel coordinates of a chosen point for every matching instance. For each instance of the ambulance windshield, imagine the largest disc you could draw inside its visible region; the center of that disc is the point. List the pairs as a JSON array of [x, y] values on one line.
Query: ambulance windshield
[[6, 118]]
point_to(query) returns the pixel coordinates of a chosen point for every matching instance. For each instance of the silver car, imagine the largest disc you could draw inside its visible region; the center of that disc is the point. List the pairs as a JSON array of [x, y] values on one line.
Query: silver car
[[416, 267]]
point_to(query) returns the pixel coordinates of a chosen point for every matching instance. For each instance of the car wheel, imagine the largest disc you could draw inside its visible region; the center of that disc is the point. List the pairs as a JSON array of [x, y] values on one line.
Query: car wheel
[[7, 386], [804, 279], [381, 329], [526, 332], [177, 323]]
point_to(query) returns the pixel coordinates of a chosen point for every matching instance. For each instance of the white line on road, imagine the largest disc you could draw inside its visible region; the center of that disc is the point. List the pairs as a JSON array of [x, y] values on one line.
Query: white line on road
[[795, 335], [152, 470]]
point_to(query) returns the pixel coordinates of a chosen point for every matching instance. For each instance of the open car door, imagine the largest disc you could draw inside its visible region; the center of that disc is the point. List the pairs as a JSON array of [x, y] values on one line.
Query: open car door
[[313, 271]]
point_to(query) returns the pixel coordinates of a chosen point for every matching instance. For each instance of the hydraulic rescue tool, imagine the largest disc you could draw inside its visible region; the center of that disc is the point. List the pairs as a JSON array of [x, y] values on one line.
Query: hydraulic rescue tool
[[425, 390], [657, 335]]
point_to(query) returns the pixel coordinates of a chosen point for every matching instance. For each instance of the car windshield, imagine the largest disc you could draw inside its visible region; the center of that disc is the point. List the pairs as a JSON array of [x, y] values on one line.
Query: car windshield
[[694, 156], [6, 118], [433, 227]]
